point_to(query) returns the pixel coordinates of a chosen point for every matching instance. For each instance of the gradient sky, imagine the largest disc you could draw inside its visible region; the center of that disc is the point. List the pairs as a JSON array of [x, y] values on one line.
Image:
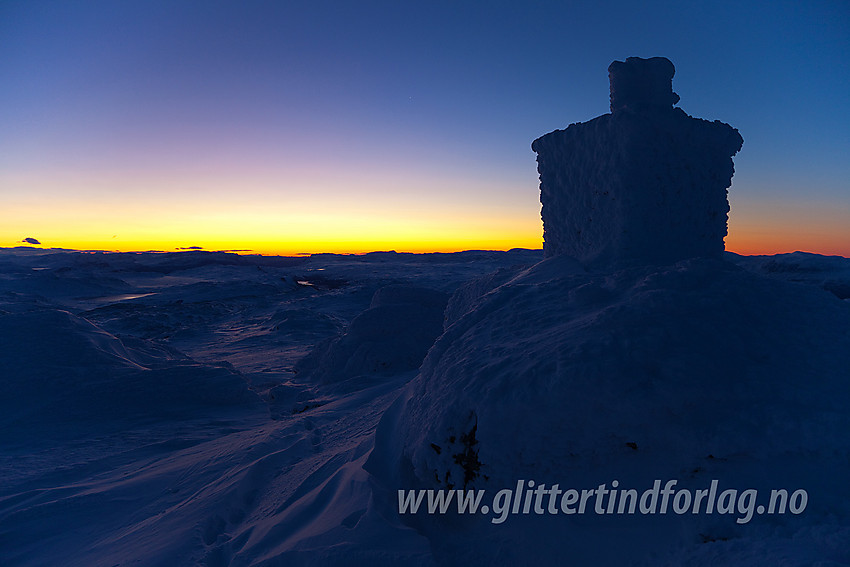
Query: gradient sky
[[286, 127]]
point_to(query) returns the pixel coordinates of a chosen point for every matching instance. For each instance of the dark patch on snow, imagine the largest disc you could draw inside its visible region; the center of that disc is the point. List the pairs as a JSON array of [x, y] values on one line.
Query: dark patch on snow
[[307, 406], [468, 457]]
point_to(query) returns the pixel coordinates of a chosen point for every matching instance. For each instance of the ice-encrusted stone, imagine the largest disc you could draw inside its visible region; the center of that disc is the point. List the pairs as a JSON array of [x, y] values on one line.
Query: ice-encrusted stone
[[639, 83], [645, 184]]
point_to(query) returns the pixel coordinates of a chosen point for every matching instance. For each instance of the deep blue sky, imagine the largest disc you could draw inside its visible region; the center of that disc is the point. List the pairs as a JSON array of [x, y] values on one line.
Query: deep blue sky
[[422, 112]]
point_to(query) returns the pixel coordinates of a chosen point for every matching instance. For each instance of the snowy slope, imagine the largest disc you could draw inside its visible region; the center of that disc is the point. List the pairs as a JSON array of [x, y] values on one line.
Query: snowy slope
[[152, 412], [694, 371], [831, 273], [136, 423]]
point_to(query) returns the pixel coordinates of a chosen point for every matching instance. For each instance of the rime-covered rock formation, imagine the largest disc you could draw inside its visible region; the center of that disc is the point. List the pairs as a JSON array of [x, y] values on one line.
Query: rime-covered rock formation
[[644, 184], [658, 363]]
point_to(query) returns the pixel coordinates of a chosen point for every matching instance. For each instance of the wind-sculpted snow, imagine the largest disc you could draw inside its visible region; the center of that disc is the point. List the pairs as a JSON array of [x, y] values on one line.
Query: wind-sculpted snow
[[61, 373], [132, 425], [392, 336], [831, 273], [692, 371], [133, 431]]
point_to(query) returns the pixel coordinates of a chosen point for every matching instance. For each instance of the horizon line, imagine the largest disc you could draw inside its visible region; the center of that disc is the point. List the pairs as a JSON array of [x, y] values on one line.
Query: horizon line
[[249, 252]]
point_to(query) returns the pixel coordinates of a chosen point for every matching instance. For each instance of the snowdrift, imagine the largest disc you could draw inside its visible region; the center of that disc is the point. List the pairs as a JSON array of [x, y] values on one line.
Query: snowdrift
[[693, 371], [60, 371], [392, 336]]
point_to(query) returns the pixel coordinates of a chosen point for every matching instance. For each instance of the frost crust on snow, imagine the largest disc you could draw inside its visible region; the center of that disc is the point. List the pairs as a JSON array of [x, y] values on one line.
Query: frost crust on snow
[[644, 184]]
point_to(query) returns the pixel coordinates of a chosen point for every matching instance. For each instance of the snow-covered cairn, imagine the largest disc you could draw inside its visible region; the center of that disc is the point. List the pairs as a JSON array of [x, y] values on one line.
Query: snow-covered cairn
[[644, 184]]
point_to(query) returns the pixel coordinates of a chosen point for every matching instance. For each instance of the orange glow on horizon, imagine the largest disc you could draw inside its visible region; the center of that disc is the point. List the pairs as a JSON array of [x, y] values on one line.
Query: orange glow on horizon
[[770, 244], [748, 244], [351, 227], [273, 232], [781, 227]]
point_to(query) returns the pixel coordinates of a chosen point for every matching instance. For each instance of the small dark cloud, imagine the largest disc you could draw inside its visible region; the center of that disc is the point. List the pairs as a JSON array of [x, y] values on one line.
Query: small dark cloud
[[30, 240], [191, 248]]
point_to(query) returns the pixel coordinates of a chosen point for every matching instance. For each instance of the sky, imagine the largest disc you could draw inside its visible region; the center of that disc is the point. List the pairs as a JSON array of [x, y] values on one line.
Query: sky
[[295, 127]]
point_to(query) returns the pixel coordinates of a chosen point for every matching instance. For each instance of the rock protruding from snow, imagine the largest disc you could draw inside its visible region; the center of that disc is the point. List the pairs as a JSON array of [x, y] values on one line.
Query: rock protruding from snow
[[645, 184]]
